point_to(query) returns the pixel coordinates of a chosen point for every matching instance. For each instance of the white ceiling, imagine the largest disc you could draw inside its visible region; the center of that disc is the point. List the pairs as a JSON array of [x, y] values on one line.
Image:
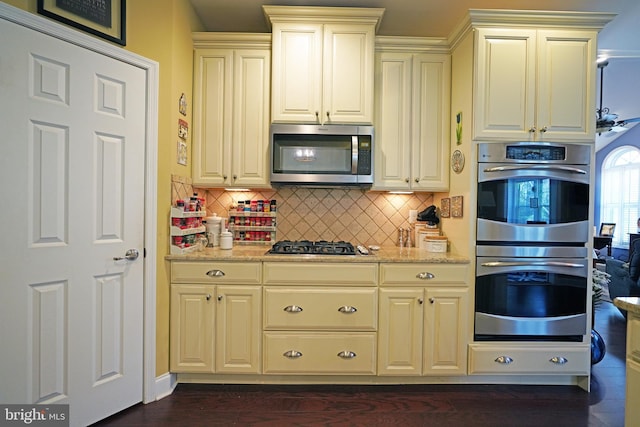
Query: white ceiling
[[620, 39]]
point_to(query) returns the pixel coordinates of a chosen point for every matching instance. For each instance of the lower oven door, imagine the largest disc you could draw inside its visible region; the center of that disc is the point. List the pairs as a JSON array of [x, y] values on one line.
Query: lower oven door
[[537, 299]]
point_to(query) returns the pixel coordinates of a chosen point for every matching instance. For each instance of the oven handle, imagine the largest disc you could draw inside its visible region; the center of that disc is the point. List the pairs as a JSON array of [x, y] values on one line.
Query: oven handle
[[536, 167], [534, 263]]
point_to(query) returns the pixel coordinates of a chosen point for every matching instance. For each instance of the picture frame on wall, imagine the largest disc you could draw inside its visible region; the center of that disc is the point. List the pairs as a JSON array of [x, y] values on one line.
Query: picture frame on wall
[[104, 18]]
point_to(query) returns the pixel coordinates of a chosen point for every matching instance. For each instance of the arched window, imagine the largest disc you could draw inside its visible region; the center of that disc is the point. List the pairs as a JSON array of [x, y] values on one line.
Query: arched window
[[620, 192]]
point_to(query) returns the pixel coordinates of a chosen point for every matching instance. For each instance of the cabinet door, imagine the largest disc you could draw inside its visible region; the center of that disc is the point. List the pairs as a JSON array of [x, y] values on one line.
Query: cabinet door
[[238, 329], [392, 148], [504, 99], [400, 332], [297, 73], [251, 97], [191, 328], [430, 119], [565, 97], [348, 70], [632, 411], [445, 337], [212, 116]]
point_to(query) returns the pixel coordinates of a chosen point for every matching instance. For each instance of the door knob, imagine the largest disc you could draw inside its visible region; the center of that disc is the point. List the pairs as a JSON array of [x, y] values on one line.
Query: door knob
[[130, 255]]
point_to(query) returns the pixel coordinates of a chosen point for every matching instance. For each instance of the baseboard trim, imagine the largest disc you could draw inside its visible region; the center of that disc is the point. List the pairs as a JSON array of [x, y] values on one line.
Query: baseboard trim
[[165, 384]]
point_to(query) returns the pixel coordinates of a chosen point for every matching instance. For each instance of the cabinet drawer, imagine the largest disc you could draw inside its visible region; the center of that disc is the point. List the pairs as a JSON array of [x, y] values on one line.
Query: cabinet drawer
[[327, 273], [520, 360], [423, 274], [320, 353], [320, 308], [215, 272]]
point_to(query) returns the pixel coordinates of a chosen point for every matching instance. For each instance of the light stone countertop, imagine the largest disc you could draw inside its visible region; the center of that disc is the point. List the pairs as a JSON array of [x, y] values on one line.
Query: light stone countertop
[[258, 253], [630, 304]]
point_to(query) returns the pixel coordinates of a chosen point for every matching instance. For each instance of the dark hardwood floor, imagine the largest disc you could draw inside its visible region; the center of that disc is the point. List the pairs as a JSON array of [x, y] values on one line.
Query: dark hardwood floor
[[422, 405]]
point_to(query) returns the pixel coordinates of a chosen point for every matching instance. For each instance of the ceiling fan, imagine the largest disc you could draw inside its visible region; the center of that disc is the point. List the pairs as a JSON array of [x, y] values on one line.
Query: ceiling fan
[[606, 120]]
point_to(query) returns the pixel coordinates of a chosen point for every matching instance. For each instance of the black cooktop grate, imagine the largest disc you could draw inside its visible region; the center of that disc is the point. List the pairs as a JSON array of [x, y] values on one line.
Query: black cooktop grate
[[322, 247]]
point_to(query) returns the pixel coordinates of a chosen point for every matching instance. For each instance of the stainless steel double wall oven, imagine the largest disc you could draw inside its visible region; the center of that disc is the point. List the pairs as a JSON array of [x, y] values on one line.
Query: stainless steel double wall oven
[[532, 233]]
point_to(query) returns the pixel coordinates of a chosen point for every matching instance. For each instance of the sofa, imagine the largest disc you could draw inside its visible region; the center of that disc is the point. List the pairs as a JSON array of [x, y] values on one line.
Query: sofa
[[625, 277]]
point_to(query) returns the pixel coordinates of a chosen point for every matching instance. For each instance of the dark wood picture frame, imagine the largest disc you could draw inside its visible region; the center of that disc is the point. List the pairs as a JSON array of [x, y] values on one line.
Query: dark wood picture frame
[[108, 23], [607, 229]]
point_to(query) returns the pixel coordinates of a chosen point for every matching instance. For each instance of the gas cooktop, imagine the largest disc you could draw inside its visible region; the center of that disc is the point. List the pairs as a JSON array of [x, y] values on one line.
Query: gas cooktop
[[322, 247]]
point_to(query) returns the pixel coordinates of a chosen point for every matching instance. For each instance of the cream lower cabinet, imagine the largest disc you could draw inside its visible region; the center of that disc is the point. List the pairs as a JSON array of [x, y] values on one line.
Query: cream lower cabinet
[[632, 410], [232, 77], [412, 95], [320, 318], [215, 325], [528, 358], [423, 330]]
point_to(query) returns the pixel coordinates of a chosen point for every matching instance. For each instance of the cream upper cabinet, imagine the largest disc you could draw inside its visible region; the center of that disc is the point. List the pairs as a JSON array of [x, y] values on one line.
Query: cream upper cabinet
[[535, 85], [323, 64], [412, 121], [231, 110]]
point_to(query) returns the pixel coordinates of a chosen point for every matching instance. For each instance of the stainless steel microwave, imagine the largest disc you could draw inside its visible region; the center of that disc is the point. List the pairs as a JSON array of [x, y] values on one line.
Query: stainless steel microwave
[[321, 155]]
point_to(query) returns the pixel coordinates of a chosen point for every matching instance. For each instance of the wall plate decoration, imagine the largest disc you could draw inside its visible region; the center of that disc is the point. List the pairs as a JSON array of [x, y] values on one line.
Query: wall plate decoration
[[457, 161], [183, 129], [456, 207], [445, 208], [182, 104], [182, 153]]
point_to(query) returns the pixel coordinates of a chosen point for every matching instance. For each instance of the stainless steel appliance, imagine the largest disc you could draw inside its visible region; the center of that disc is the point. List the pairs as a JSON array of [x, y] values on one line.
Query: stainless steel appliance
[[531, 293], [531, 245], [533, 192], [321, 154], [307, 247]]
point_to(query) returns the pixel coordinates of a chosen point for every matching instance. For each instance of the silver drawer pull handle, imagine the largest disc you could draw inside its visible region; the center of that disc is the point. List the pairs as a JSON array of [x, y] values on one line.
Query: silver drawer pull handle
[[292, 354], [346, 354], [215, 273], [425, 276], [504, 360], [347, 309], [293, 309], [558, 360]]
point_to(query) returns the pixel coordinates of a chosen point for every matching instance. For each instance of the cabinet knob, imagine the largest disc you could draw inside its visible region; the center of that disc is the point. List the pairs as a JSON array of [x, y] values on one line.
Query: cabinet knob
[[235, 177], [532, 129], [292, 354], [346, 354], [215, 273], [347, 309], [558, 360], [417, 180], [219, 297], [293, 309], [543, 130], [420, 301], [224, 177], [208, 297], [431, 300], [328, 118], [504, 360], [406, 180], [425, 275], [318, 116]]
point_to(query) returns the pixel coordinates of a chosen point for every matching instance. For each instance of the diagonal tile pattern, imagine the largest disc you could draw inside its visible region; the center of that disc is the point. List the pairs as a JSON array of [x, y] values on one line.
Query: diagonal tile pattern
[[352, 215]]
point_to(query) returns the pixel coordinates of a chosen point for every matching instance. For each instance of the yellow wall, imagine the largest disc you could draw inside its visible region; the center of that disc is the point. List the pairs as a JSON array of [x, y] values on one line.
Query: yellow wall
[[168, 41]]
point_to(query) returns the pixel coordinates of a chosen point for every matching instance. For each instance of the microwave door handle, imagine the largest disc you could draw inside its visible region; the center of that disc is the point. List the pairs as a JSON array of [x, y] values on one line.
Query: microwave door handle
[[556, 168], [354, 155], [531, 263]]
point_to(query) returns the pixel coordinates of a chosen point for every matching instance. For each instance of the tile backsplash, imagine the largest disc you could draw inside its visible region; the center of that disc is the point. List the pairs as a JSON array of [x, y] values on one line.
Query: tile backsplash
[[353, 215]]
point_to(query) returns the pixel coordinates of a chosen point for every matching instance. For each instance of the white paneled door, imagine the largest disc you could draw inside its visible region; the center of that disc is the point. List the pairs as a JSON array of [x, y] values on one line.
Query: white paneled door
[[72, 126]]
